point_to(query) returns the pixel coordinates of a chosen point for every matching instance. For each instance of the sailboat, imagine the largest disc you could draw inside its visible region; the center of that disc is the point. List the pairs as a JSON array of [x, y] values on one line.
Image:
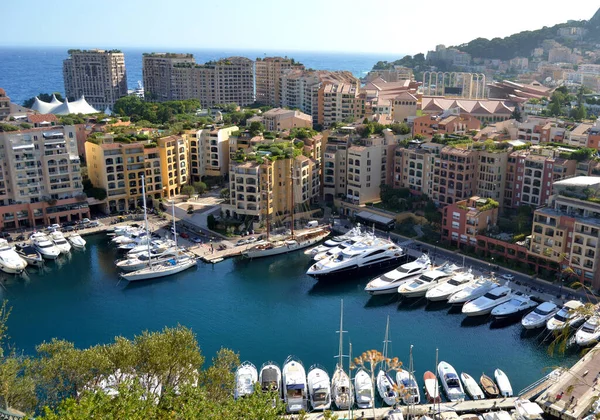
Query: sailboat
[[296, 242], [406, 378], [341, 389], [385, 383], [176, 265]]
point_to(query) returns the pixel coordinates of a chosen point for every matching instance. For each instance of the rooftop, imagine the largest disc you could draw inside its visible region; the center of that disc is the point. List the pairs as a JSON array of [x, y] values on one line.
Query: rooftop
[[579, 181]]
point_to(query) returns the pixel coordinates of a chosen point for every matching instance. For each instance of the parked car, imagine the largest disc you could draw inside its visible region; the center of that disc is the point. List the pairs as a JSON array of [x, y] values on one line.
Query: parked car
[[196, 240], [69, 228], [85, 221], [94, 223], [508, 277], [4, 235], [242, 242], [251, 239], [184, 235]]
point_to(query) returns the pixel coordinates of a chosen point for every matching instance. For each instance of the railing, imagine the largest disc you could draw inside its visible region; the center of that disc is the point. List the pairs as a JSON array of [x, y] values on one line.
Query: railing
[[5, 415]]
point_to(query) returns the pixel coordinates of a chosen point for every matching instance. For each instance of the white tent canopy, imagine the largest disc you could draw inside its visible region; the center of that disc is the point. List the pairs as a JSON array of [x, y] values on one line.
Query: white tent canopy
[[56, 107]]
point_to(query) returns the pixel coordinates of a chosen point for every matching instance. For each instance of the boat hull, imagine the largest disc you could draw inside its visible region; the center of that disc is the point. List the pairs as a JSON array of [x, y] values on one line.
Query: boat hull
[[285, 248], [9, 269], [153, 274], [342, 274]]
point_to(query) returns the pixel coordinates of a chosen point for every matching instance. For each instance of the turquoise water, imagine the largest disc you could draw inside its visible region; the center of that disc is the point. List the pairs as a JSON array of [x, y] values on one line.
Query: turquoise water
[[264, 309]]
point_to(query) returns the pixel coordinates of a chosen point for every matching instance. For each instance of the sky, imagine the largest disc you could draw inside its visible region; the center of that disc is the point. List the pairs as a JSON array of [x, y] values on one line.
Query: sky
[[384, 26]]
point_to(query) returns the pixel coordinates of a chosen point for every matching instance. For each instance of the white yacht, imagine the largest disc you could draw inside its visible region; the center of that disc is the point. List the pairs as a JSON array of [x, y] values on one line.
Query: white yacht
[[44, 246], [139, 241], [385, 383], [515, 307], [130, 235], [60, 242], [479, 288], [566, 316], [157, 246], [341, 389], [429, 279], [77, 241], [407, 380], [504, 385], [10, 261], [319, 389], [336, 240], [539, 316], [245, 378], [363, 389], [366, 254], [450, 382], [483, 305], [527, 410], [470, 385], [589, 332], [294, 385], [270, 378], [390, 281], [334, 251], [297, 242], [30, 255], [443, 291], [143, 259]]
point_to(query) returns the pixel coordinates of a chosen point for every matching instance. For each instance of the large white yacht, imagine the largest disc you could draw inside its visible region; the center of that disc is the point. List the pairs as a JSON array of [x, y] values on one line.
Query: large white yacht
[[515, 307], [429, 279], [44, 246], [10, 261], [333, 251], [483, 305], [589, 333], [458, 282], [539, 316], [60, 242], [294, 385], [369, 253], [566, 316], [333, 242], [390, 281], [481, 286]]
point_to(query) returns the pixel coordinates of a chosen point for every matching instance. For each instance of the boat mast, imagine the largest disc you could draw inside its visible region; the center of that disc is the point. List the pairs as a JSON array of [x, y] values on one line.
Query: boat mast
[[268, 193], [174, 230], [340, 356], [292, 179], [350, 391], [385, 343], [411, 372], [146, 219], [437, 389]]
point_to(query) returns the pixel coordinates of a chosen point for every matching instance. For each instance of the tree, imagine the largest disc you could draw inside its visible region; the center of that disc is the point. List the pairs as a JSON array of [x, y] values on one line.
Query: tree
[[516, 114], [200, 187], [46, 97], [188, 190], [224, 193], [211, 222], [256, 128]]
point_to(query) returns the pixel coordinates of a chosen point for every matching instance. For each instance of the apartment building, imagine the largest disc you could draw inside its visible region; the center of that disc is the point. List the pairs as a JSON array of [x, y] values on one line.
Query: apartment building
[[268, 78], [414, 167], [174, 155], [339, 102], [578, 136], [40, 178], [454, 175], [594, 136], [491, 174], [4, 105], [463, 220], [404, 106], [209, 152], [541, 130], [428, 125], [335, 149], [157, 70], [99, 75], [279, 119], [486, 111], [567, 231], [396, 74]]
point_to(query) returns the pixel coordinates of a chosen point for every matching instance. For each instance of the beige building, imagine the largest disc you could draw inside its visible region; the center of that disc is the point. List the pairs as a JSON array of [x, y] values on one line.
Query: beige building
[[98, 75], [491, 174], [209, 152], [279, 119], [414, 167], [40, 177], [338, 103], [397, 74], [404, 106], [268, 78], [4, 105], [157, 71]]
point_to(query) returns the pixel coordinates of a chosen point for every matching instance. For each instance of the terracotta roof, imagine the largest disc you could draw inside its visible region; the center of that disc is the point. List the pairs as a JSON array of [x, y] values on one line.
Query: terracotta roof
[[39, 118], [2, 91]]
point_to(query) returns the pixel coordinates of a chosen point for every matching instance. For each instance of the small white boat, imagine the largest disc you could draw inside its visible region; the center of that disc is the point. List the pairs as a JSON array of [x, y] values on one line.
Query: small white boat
[[142, 260], [428, 280], [443, 291], [589, 332], [163, 269], [385, 387], [483, 305], [527, 410], [294, 385], [340, 381], [390, 281], [539, 316], [245, 378], [450, 382], [407, 381], [77, 241], [471, 387], [504, 385], [363, 388], [10, 261], [319, 389], [60, 242], [432, 389], [44, 246], [515, 307], [566, 316], [30, 255], [270, 378], [481, 286]]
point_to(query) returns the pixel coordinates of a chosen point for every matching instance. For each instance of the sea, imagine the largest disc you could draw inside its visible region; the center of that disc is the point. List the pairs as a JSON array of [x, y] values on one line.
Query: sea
[[26, 72], [264, 309]]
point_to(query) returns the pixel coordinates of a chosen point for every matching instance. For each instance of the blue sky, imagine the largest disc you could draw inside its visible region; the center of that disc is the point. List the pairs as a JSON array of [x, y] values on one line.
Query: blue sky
[[390, 26]]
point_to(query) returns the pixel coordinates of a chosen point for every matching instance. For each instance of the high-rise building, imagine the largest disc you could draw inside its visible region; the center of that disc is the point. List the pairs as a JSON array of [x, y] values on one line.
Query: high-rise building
[[99, 75], [209, 152], [4, 105], [40, 177], [268, 74], [157, 71]]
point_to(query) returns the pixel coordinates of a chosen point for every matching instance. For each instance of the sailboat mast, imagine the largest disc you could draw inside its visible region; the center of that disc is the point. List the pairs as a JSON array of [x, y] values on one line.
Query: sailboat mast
[[385, 342], [146, 218], [411, 372], [437, 389], [174, 229], [341, 348], [292, 178], [268, 193], [350, 377]]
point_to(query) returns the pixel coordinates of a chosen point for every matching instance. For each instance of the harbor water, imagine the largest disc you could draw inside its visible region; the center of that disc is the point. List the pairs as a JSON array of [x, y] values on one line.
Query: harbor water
[[264, 309]]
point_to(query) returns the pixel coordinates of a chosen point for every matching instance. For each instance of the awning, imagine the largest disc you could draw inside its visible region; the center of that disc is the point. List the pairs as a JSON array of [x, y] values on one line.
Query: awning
[[295, 386], [367, 215]]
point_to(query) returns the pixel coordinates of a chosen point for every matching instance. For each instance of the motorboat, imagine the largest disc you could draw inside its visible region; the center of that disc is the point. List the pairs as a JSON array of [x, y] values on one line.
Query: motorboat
[[363, 389], [566, 316], [407, 381], [336, 240], [589, 332], [76, 241], [432, 389], [142, 240], [44, 246], [471, 386], [443, 291], [319, 388], [429, 279], [297, 242], [390, 281], [129, 236], [333, 251], [30, 255], [497, 415], [483, 305], [270, 378], [385, 383], [294, 385], [172, 266], [60, 242], [143, 259], [517, 306], [489, 386], [340, 381], [157, 246], [367, 254], [504, 385], [539, 316], [527, 410], [394, 414], [479, 288], [450, 382], [245, 378], [10, 261]]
